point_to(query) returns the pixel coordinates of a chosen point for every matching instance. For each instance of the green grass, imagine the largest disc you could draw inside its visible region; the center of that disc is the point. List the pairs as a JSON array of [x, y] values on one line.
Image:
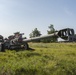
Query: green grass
[[46, 59]]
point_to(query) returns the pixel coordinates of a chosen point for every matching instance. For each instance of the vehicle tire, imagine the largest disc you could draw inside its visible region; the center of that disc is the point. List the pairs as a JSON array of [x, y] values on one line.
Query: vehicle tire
[[26, 47]]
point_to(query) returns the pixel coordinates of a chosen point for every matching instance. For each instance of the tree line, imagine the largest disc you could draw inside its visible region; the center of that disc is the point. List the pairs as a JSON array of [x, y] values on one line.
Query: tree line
[[37, 33]]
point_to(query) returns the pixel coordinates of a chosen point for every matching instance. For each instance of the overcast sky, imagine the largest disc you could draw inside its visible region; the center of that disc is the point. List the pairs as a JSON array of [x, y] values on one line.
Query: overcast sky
[[25, 15]]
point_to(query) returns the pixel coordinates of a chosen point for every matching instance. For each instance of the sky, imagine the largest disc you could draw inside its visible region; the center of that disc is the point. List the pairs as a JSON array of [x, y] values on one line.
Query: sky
[[26, 15]]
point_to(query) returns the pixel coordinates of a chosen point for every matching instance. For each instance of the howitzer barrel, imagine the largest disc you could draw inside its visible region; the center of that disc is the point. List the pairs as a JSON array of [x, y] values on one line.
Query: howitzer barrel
[[63, 34], [41, 37]]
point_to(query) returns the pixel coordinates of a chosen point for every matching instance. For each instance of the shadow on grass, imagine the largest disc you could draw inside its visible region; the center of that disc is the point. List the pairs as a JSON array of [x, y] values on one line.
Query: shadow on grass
[[18, 49], [31, 49]]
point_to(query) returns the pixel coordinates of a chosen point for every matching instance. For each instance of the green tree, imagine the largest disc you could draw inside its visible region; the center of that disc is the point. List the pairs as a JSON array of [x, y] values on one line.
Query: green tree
[[50, 31], [35, 33]]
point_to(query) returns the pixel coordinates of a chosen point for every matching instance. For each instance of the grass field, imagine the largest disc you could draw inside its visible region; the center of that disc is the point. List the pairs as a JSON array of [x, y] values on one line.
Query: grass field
[[44, 59]]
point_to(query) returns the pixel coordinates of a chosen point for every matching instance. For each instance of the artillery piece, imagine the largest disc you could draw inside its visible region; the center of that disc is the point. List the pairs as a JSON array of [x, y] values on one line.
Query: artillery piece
[[16, 41]]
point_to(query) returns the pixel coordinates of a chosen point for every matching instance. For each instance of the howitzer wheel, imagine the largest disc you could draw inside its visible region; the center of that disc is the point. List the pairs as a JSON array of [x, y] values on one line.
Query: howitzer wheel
[[26, 47], [2, 47]]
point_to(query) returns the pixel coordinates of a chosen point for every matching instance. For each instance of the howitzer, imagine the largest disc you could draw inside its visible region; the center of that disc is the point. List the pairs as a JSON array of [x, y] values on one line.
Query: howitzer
[[16, 41]]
